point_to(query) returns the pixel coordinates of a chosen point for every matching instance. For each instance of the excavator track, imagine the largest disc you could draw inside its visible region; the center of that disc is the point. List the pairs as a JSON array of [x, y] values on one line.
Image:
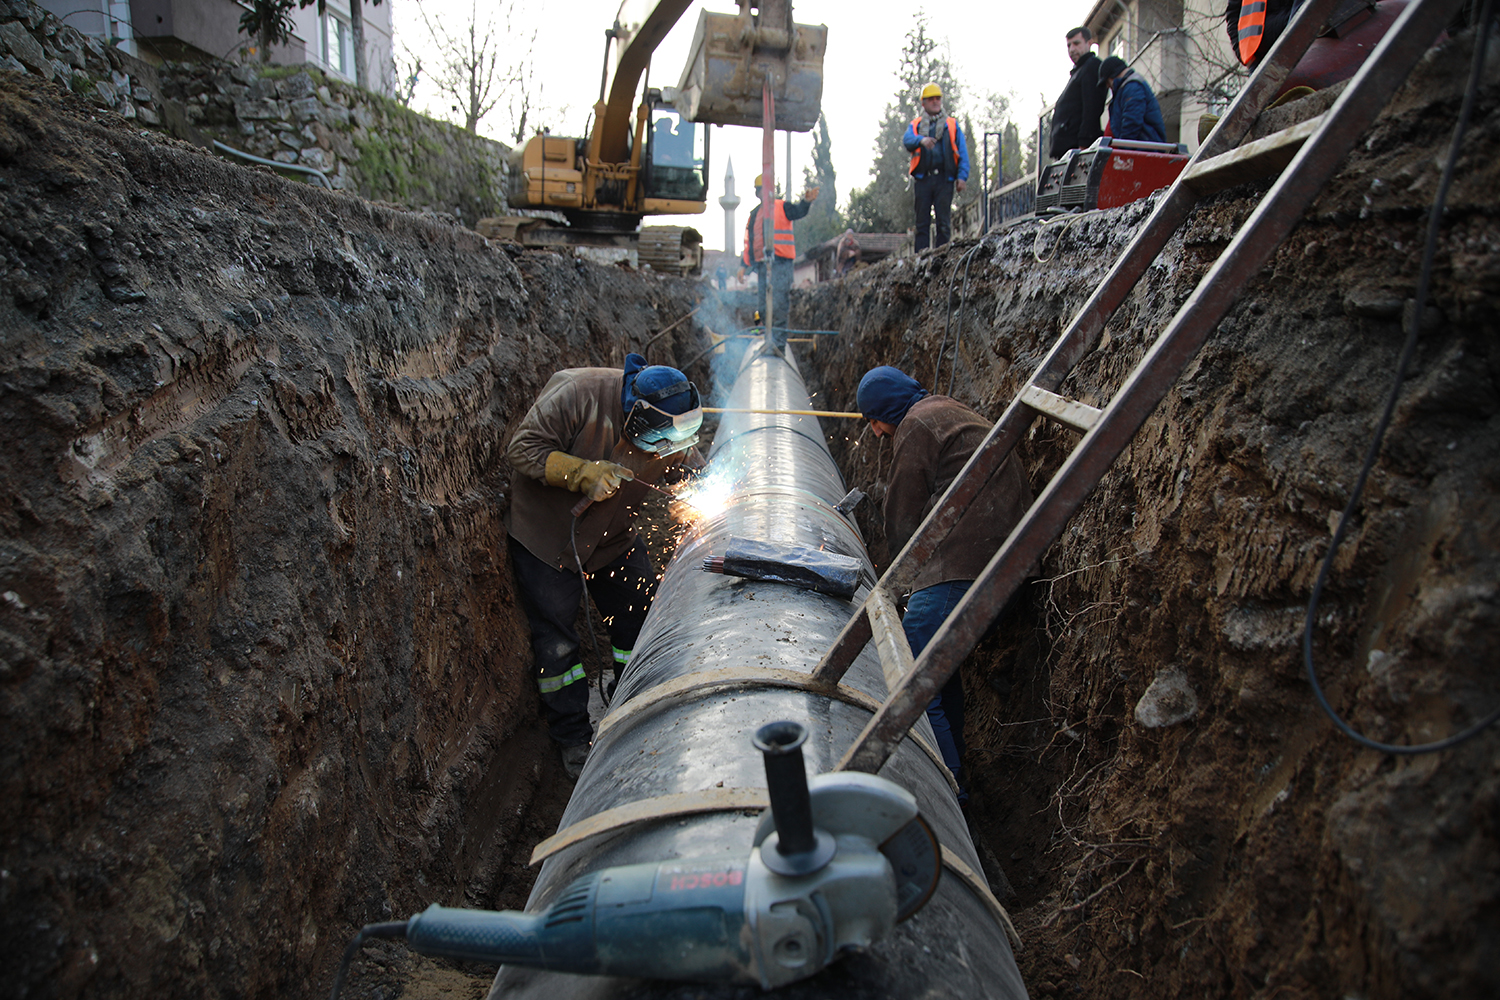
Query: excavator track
[[671, 249]]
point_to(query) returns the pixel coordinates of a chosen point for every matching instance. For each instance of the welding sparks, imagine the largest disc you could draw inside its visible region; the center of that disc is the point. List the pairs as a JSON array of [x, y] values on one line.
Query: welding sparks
[[703, 497]]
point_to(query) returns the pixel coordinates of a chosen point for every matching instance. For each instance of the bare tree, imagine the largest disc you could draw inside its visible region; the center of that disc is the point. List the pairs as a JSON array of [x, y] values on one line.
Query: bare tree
[[1218, 73], [402, 75], [476, 71]]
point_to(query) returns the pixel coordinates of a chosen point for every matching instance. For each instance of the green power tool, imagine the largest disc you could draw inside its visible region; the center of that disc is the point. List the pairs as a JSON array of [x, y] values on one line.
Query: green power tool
[[834, 865]]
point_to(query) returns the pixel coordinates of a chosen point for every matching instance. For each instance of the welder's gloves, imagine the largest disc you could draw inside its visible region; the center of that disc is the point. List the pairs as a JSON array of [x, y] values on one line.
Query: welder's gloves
[[597, 480]]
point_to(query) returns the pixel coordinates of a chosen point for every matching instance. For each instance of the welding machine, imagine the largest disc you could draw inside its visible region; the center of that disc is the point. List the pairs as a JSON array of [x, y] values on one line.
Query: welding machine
[[1110, 173]]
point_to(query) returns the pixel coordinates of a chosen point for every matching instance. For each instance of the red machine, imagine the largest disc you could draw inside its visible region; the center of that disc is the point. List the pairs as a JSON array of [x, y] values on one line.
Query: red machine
[[1109, 173]]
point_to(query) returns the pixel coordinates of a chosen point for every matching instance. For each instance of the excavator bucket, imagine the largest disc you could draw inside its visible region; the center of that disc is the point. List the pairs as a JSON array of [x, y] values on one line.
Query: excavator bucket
[[733, 54]]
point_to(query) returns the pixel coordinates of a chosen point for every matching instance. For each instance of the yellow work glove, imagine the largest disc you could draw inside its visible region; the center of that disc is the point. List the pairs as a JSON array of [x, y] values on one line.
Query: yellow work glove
[[597, 480]]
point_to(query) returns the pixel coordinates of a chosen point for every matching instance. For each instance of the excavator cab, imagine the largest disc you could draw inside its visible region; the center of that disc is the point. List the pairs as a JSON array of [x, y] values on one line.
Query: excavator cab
[[675, 165]]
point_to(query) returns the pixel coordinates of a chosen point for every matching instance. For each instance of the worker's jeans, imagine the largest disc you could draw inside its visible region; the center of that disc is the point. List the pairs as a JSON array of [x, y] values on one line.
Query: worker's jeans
[[925, 614], [622, 591], [934, 197], [781, 294]]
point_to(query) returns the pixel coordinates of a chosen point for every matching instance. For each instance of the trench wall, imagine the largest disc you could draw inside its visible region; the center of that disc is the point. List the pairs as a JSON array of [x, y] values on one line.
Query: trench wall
[[262, 672], [1247, 849]]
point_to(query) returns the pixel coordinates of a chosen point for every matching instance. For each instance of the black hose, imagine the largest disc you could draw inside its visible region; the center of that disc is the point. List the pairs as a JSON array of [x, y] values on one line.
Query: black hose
[[393, 929], [968, 259], [588, 616], [1408, 350]]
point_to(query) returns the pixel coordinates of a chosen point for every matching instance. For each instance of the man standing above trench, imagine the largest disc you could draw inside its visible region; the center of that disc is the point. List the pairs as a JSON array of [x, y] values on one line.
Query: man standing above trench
[[932, 439], [939, 166], [1133, 110], [596, 434], [783, 253], [1075, 117]]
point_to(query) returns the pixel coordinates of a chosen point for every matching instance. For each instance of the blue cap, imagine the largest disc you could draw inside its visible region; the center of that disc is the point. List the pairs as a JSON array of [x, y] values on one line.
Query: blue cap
[[886, 393]]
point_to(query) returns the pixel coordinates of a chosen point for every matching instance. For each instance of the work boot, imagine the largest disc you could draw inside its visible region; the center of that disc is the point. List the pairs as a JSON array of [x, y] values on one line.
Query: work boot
[[573, 759]]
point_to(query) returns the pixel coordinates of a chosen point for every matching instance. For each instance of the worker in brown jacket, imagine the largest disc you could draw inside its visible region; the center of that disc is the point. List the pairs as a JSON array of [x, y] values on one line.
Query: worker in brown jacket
[[932, 439], [599, 434]]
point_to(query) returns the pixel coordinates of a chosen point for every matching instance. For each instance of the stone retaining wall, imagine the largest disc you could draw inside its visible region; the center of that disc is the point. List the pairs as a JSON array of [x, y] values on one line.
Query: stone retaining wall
[[362, 142]]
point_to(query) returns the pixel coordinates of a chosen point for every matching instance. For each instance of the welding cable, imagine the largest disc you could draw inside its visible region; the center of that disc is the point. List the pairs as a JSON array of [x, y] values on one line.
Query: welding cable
[[588, 617], [966, 261], [1069, 221], [393, 929], [1408, 350]]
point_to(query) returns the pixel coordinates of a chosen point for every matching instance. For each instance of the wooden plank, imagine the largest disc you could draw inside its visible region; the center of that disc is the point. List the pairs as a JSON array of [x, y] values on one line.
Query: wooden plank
[[1252, 161], [1079, 416], [890, 638]]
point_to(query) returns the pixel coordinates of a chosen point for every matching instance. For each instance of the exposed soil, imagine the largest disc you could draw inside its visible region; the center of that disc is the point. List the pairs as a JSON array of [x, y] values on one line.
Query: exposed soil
[[264, 678], [1249, 851], [264, 675]]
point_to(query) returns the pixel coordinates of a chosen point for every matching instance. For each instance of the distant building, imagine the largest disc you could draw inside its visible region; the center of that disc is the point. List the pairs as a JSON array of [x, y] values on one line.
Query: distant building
[[1179, 46], [817, 264], [192, 30]]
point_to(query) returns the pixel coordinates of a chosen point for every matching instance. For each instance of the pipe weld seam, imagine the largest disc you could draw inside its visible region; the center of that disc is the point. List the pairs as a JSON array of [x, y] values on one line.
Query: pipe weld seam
[[704, 681]]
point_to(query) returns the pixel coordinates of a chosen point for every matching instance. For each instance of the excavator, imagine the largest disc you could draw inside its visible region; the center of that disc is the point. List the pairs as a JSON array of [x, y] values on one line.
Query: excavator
[[651, 157]]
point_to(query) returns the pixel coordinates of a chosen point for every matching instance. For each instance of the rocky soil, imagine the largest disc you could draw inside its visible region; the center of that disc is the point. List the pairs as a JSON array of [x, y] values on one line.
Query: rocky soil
[[1249, 850], [263, 674], [264, 679]]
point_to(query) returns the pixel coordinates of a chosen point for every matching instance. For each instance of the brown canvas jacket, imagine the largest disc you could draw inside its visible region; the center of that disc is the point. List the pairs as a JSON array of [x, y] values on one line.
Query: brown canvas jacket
[[578, 412], [931, 445]]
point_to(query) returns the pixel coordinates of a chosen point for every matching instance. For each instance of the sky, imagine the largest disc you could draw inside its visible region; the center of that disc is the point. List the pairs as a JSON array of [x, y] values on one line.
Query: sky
[[1010, 48]]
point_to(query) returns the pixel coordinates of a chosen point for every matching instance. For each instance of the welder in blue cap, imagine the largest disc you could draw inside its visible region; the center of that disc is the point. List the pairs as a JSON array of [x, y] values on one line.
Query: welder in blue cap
[[599, 435], [932, 439]]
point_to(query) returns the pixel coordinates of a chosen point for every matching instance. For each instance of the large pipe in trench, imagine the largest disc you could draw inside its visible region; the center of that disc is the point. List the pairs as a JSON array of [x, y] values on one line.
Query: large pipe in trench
[[648, 746]]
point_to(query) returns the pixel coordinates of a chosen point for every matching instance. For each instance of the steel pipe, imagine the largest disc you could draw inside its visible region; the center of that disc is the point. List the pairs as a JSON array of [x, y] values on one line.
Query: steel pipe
[[781, 487]]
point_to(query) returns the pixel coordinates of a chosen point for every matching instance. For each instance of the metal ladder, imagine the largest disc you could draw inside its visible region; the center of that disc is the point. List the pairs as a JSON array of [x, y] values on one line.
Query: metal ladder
[[1218, 164]]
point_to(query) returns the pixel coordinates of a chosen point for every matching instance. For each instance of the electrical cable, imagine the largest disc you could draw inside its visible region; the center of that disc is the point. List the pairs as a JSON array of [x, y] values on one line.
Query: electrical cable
[[1068, 221], [391, 929], [967, 259], [1408, 350], [588, 617]]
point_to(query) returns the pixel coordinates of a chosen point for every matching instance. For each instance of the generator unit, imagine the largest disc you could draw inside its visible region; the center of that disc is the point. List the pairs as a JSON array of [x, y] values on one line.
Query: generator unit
[[1110, 173]]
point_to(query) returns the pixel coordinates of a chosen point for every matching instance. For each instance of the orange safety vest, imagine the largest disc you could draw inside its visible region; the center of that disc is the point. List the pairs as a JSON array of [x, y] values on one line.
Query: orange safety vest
[[916, 158], [783, 242], [1251, 29]]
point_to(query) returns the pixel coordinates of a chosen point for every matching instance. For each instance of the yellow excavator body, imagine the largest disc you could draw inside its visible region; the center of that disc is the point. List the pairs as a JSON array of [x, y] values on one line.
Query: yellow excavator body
[[651, 157]]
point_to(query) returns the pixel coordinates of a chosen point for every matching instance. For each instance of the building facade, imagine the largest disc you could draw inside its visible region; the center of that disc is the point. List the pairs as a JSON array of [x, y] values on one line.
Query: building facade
[[193, 30]]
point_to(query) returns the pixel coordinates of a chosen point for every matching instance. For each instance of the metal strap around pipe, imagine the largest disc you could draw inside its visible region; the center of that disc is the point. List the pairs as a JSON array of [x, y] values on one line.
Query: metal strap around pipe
[[707, 681], [707, 800], [712, 800], [1280, 210], [981, 888], [1083, 332]]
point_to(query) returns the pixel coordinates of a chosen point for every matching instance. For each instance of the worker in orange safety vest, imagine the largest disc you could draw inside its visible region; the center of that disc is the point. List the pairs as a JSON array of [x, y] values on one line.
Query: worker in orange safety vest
[[784, 251], [939, 166]]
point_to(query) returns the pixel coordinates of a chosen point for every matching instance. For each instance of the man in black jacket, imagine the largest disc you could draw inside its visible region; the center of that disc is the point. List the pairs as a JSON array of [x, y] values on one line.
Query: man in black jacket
[[1075, 118]]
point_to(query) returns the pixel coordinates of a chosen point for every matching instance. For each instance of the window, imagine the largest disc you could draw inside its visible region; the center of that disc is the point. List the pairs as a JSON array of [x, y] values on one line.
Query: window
[[677, 154], [338, 45]]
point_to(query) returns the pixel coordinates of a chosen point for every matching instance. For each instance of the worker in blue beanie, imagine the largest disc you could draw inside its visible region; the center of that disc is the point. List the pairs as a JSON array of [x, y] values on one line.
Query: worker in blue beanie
[[599, 434], [932, 438]]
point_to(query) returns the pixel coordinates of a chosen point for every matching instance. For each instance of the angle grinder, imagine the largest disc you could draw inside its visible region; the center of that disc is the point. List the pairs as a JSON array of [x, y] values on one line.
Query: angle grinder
[[834, 864]]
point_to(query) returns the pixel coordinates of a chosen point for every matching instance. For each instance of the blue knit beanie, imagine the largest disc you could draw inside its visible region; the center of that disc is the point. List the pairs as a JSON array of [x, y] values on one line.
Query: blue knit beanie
[[642, 379], [886, 393]]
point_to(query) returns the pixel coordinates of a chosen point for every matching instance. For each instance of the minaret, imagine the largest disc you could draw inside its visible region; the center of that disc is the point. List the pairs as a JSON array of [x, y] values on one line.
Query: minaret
[[729, 203]]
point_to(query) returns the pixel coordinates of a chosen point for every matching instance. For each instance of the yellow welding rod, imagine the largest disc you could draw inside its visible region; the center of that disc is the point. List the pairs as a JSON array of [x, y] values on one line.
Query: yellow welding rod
[[792, 413]]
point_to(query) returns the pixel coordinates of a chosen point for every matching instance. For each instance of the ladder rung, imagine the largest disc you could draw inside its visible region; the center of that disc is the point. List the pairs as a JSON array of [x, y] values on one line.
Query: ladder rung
[[889, 636], [1252, 161], [1079, 416]]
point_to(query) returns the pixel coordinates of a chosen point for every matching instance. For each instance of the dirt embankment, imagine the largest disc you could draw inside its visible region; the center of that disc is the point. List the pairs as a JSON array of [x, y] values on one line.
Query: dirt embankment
[[1249, 851], [264, 677]]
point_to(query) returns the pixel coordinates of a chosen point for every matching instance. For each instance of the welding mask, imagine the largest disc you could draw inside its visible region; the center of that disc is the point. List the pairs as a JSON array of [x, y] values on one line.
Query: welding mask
[[663, 410]]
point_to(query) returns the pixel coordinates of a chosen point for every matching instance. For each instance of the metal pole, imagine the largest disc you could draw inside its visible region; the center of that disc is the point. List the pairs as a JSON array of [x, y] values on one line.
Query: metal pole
[[768, 198]]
